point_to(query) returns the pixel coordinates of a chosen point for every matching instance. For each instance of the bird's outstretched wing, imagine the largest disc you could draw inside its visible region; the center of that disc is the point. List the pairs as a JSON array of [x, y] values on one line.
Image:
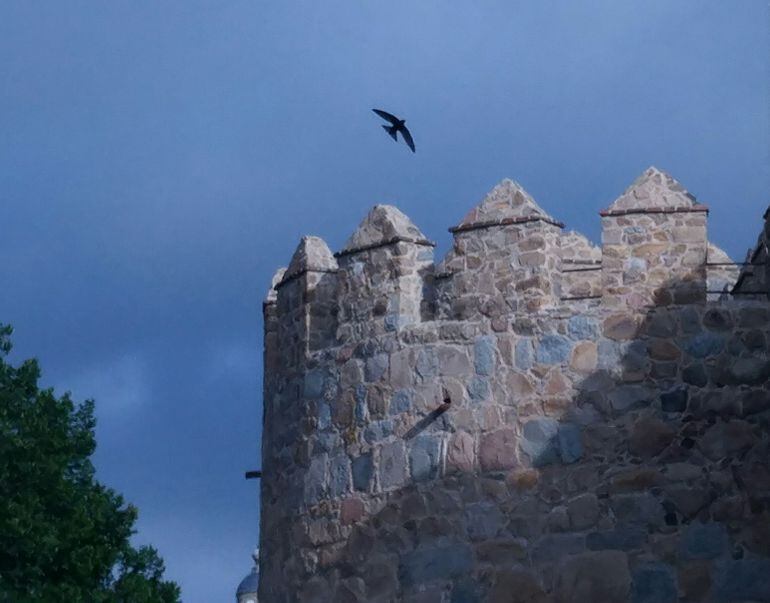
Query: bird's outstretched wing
[[385, 115], [407, 137]]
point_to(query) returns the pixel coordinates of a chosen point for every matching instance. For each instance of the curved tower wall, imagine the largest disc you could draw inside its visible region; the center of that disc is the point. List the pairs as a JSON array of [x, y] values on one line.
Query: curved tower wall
[[519, 421]]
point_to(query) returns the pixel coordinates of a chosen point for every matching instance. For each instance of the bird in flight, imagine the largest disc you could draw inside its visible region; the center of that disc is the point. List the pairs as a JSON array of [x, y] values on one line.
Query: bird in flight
[[396, 127]]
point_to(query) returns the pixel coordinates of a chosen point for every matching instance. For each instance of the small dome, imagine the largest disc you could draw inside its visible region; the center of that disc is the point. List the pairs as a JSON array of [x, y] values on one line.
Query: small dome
[[250, 584]]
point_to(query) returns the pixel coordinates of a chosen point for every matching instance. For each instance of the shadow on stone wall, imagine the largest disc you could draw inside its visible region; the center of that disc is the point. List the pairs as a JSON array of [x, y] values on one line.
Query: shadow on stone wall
[[647, 479]]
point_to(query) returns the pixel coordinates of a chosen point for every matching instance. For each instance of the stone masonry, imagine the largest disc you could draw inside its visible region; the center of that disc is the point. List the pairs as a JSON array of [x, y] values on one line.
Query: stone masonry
[[531, 419]]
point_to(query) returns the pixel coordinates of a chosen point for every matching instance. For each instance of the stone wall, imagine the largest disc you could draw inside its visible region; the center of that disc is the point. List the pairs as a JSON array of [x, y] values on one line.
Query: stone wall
[[532, 419]]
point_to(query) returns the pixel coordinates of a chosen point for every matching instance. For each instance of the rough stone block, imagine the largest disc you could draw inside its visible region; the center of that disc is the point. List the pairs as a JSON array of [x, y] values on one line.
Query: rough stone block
[[553, 547], [378, 431], [460, 453], [704, 344], [339, 475], [743, 579], [484, 355], [630, 397], [703, 541], [436, 563], [503, 551], [553, 349], [637, 509], [376, 367], [427, 364], [597, 576], [314, 384], [315, 480], [674, 400], [539, 440], [483, 520], [361, 468], [583, 511], [478, 389], [425, 456], [324, 416], [392, 465], [621, 539], [649, 437], [654, 583], [570, 442], [516, 586], [401, 402], [582, 327], [523, 356], [585, 357], [497, 450], [453, 361]]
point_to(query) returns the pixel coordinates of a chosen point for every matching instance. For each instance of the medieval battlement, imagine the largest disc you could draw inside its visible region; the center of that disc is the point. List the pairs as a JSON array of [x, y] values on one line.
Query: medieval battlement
[[531, 414], [508, 255]]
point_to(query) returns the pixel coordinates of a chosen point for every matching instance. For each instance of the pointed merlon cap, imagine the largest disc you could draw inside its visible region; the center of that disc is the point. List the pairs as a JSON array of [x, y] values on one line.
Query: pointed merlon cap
[[507, 203], [272, 294], [654, 192], [383, 225], [312, 255], [717, 255], [577, 249]]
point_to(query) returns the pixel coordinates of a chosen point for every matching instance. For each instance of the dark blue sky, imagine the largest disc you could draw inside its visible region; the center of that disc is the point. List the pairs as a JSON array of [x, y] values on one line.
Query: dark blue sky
[[158, 161]]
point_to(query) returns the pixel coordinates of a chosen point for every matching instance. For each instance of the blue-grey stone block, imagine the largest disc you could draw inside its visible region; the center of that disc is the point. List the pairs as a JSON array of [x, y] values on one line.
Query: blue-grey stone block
[[392, 467], [553, 349], [674, 401], [326, 442], [467, 590], [524, 357], [608, 352], [704, 344], [690, 320], [361, 408], [339, 475], [314, 384], [436, 563], [478, 389], [315, 480], [621, 539], [484, 355], [394, 321], [324, 416], [552, 547], [654, 583], [375, 367], [582, 327], [743, 579], [570, 442], [400, 402], [378, 430], [703, 541], [483, 520], [630, 397], [424, 457], [362, 471], [427, 363], [637, 509], [540, 440]]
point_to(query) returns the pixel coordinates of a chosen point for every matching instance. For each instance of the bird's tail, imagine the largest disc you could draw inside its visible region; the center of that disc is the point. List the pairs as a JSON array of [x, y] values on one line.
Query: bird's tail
[[392, 131]]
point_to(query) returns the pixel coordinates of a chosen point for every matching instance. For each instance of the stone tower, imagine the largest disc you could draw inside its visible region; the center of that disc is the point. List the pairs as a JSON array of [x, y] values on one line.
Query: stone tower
[[532, 418]]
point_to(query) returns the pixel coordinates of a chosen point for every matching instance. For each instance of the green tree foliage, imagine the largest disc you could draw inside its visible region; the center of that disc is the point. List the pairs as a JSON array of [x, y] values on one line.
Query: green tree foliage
[[63, 535]]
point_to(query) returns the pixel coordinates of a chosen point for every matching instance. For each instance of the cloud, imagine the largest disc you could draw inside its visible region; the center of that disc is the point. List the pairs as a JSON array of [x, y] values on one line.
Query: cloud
[[119, 385], [228, 360]]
